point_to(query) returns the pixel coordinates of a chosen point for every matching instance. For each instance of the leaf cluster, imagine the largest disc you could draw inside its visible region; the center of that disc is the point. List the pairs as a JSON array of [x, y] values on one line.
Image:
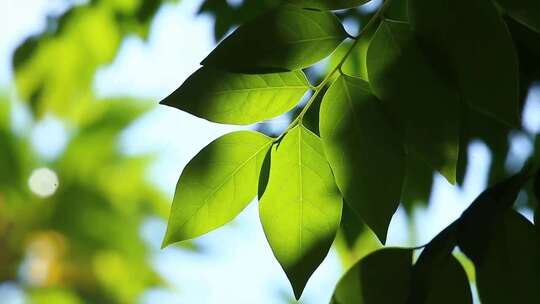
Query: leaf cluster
[[412, 109]]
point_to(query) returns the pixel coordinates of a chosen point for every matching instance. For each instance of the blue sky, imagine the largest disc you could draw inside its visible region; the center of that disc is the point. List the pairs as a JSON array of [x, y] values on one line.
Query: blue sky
[[237, 266]]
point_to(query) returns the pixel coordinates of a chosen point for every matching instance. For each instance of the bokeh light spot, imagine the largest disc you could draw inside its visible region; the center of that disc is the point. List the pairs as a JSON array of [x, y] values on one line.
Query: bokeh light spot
[[43, 182]]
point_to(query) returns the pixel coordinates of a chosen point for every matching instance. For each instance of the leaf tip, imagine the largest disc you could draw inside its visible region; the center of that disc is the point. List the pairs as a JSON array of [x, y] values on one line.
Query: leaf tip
[[298, 282], [164, 101], [449, 171], [166, 241], [207, 60], [381, 233], [379, 226], [451, 178], [169, 239], [298, 289]]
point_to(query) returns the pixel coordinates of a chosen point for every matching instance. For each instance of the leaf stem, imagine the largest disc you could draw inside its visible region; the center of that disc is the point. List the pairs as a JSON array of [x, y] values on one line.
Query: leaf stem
[[318, 89]]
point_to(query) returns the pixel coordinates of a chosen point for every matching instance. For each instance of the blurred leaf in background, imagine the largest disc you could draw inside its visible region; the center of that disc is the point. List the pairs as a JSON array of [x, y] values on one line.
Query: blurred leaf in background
[[54, 70], [70, 227], [82, 242]]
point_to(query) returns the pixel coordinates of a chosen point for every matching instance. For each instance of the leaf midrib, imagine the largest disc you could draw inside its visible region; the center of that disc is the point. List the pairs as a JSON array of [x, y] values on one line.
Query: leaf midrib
[[301, 186], [280, 88], [227, 179]]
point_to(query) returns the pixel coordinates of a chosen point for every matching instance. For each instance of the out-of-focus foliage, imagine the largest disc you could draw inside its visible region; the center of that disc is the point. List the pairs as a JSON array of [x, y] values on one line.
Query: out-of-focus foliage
[[82, 244], [228, 15], [54, 70]]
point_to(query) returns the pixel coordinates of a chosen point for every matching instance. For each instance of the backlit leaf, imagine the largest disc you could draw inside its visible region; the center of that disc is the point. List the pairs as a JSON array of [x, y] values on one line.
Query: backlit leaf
[[363, 150], [238, 98], [301, 208], [216, 185], [470, 42], [287, 38], [423, 105]]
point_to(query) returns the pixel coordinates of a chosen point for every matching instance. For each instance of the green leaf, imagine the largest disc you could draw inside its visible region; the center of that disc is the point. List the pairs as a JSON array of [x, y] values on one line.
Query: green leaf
[[355, 63], [397, 10], [417, 183], [216, 185], [351, 225], [355, 240], [470, 42], [238, 98], [300, 210], [438, 276], [83, 38], [477, 125], [10, 162], [328, 4], [510, 272], [526, 12], [5, 112], [423, 105], [363, 150], [382, 277], [478, 223], [287, 38], [450, 284]]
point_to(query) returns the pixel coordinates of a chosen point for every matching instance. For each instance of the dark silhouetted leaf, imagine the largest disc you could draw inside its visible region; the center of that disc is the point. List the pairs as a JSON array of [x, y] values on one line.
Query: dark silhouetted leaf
[[450, 284], [382, 277], [510, 271], [216, 185], [301, 208], [536, 186], [469, 41], [537, 218], [437, 276], [328, 4], [476, 125], [351, 225], [479, 221], [425, 108], [288, 38], [527, 12], [363, 150], [417, 183], [238, 98], [398, 10]]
